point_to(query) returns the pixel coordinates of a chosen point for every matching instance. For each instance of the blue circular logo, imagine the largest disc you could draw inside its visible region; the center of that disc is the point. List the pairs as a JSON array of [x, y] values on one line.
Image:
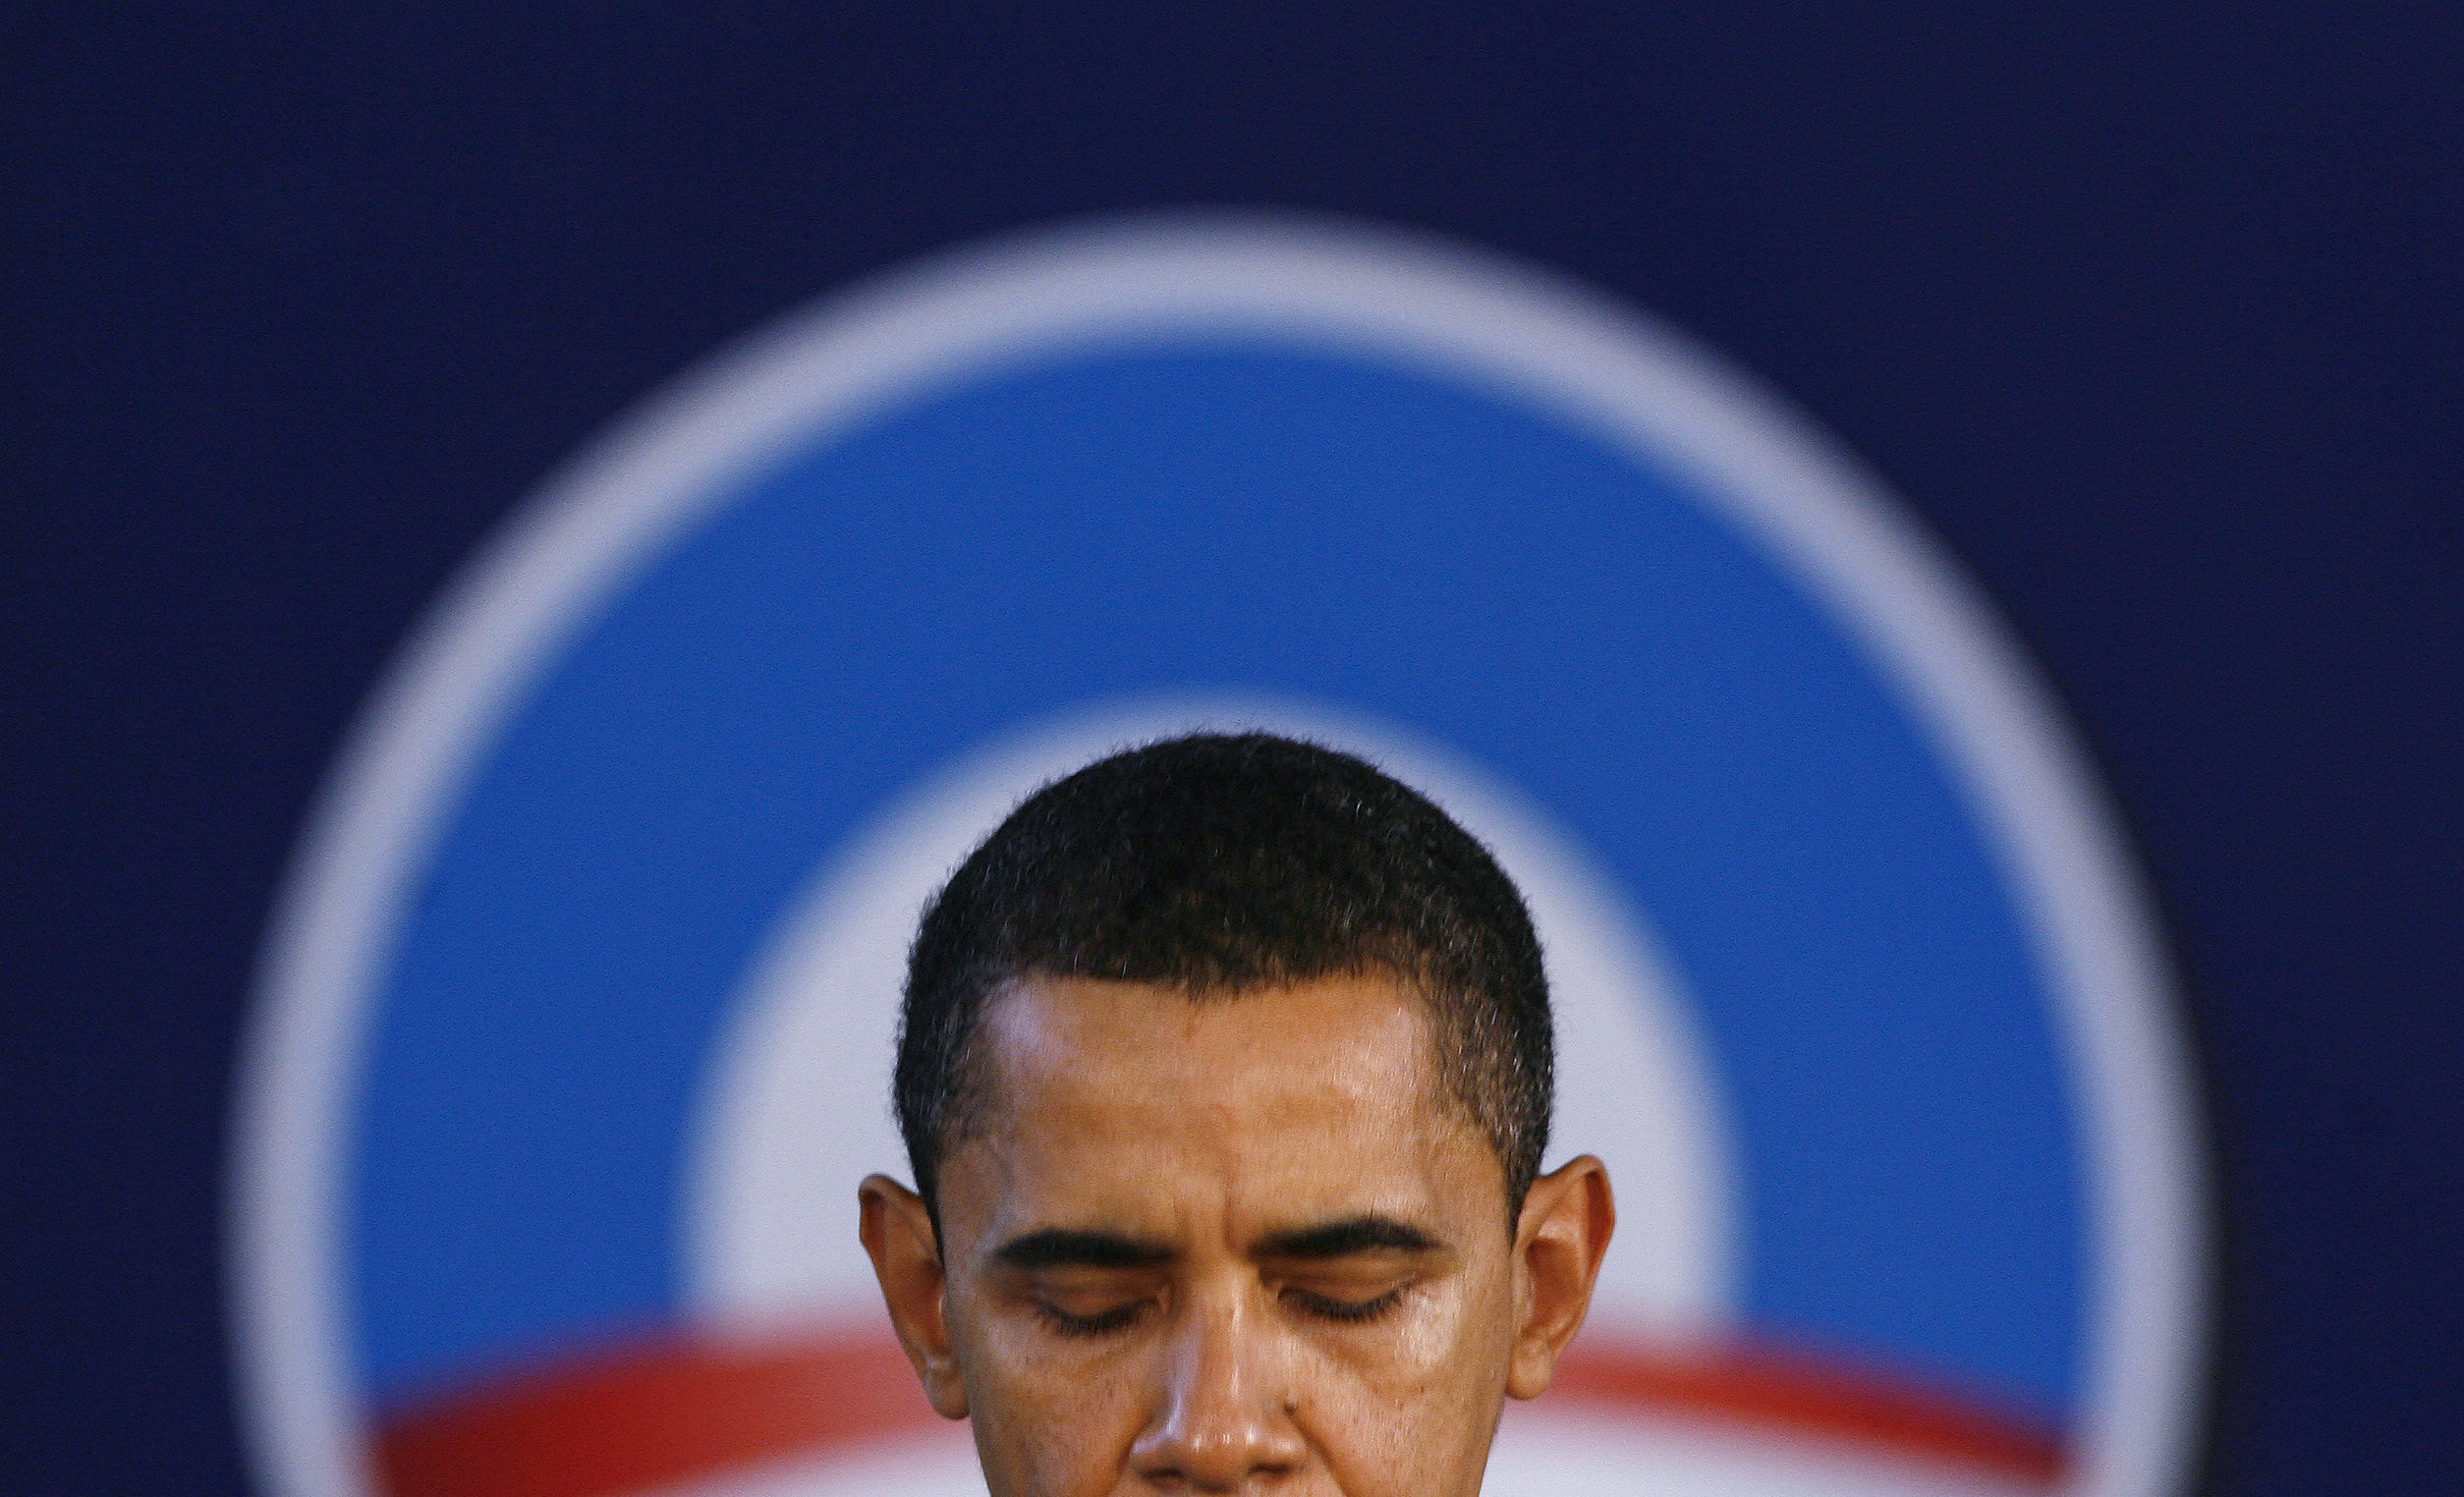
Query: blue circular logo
[[575, 1021]]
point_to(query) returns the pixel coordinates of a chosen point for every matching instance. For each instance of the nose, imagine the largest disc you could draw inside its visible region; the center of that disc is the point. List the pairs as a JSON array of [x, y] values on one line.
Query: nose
[[1224, 1422]]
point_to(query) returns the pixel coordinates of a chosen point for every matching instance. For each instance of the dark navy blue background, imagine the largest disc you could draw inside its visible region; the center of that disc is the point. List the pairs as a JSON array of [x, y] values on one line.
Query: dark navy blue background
[[2152, 315]]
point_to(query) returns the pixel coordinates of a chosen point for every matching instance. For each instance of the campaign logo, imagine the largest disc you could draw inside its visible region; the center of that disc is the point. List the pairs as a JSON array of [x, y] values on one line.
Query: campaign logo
[[575, 1026]]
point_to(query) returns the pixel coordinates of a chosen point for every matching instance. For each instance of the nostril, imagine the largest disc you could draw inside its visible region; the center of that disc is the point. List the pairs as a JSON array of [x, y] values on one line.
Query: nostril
[[1226, 1456], [1223, 1418]]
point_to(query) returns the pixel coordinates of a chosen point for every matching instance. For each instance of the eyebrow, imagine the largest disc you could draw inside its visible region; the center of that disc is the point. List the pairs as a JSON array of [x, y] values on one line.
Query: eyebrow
[[1340, 1239], [1061, 1247]]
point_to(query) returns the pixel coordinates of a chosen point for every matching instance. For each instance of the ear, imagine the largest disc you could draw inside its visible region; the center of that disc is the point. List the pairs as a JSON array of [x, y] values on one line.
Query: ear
[[898, 1233], [1567, 1218]]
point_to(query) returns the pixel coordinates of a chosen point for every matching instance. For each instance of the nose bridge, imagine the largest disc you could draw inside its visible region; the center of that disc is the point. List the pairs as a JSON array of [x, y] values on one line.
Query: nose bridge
[[1222, 1420], [1216, 1359]]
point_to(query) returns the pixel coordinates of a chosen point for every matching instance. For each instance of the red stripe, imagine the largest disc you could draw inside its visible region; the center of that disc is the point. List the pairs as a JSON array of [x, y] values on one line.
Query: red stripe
[[670, 1409], [1767, 1388], [650, 1412]]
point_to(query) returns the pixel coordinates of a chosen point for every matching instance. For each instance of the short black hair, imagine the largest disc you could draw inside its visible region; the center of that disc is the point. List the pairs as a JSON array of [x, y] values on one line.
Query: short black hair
[[1220, 864]]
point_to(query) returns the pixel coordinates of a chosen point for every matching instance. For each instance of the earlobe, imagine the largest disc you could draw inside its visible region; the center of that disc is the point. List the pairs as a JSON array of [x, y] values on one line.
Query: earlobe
[[1568, 1216], [898, 1235]]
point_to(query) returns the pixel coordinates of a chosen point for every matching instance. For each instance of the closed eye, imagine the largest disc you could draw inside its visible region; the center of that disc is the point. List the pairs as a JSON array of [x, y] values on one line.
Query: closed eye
[[1103, 1323], [1347, 1311]]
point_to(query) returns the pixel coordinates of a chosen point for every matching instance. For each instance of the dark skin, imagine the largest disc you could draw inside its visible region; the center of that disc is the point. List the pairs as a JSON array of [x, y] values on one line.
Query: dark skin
[[1237, 1246]]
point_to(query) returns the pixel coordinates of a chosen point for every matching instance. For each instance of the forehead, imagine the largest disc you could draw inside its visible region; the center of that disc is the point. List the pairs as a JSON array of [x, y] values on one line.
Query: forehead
[[1132, 1102], [1059, 1040]]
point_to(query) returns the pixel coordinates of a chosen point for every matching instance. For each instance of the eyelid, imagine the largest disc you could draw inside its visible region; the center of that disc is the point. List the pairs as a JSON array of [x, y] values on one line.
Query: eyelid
[[1103, 1323], [1349, 1312], [1125, 1296], [1067, 1278]]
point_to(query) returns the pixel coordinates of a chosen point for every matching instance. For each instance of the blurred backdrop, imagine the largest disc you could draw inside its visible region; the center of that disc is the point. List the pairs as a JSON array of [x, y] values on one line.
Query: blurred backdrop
[[2149, 319]]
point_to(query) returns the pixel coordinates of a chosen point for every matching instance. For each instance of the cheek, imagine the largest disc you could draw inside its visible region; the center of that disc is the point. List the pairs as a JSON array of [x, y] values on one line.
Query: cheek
[[1051, 1418], [1460, 1339], [1411, 1414], [1060, 1449]]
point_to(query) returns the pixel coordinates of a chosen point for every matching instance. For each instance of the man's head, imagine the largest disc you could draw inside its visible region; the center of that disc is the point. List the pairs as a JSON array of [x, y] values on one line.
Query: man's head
[[1224, 1071], [1221, 866]]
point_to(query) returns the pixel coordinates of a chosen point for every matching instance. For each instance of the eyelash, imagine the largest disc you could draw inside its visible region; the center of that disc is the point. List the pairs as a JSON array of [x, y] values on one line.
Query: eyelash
[[1117, 1318], [1345, 1312]]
